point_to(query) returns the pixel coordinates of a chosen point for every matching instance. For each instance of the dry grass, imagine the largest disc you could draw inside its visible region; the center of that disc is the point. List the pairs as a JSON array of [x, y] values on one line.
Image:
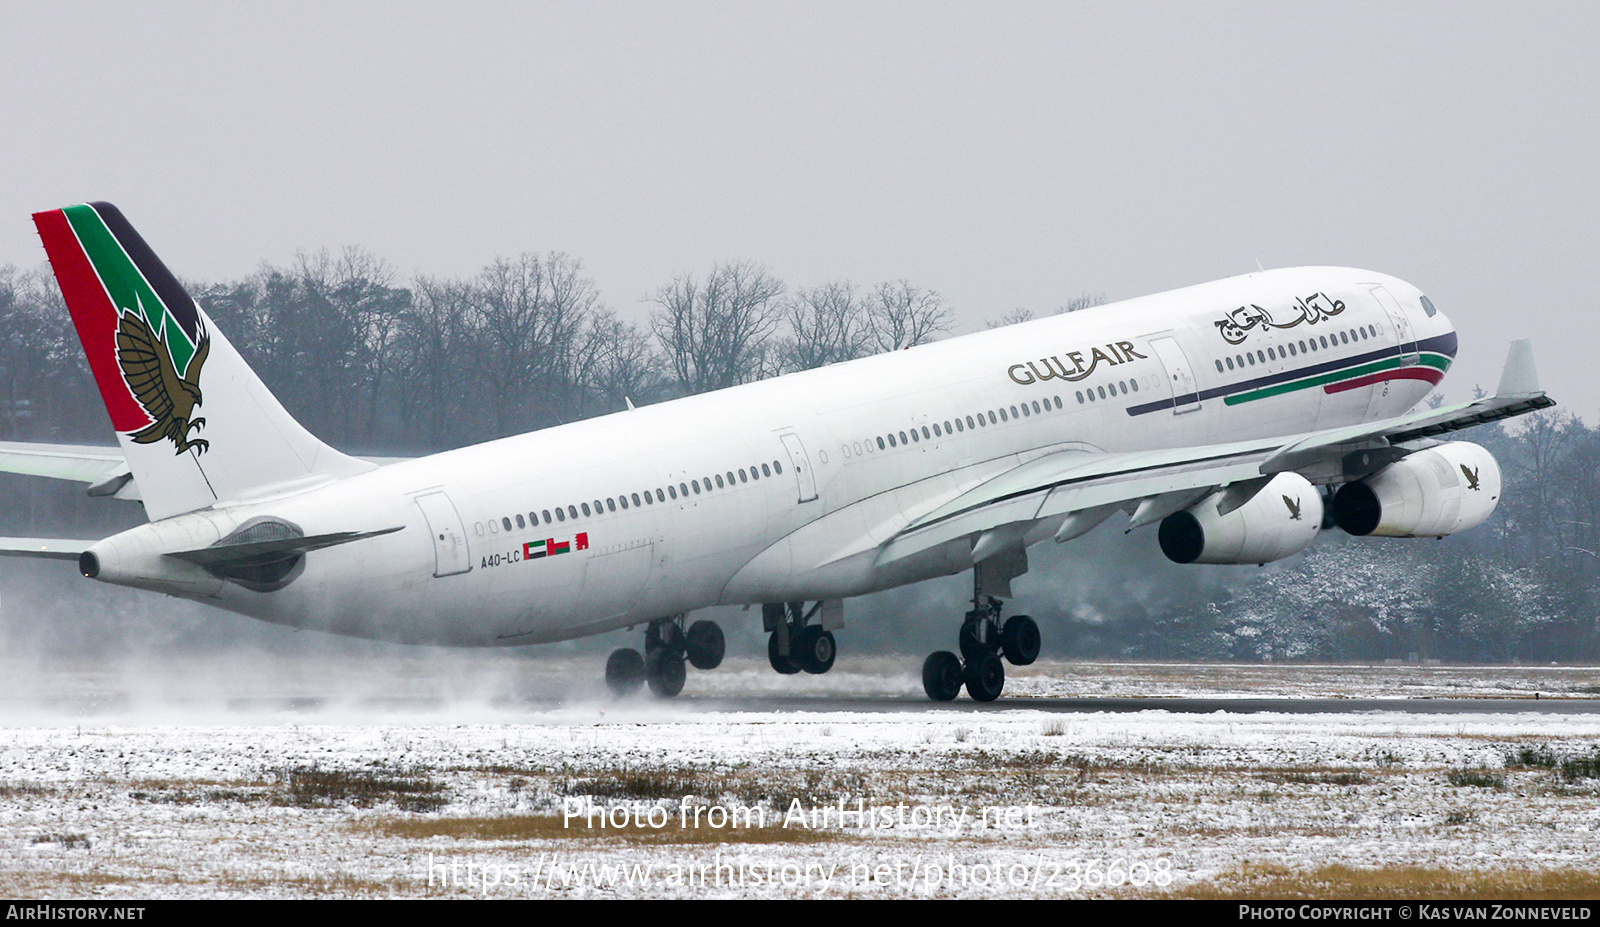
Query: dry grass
[[56, 885], [520, 828], [1413, 883], [409, 790]]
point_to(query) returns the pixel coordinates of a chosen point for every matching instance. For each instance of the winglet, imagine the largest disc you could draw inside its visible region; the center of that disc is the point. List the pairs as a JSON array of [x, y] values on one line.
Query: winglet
[[1519, 376]]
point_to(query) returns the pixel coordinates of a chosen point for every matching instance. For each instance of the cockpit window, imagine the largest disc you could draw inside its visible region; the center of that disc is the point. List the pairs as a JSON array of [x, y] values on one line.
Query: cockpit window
[[1427, 306]]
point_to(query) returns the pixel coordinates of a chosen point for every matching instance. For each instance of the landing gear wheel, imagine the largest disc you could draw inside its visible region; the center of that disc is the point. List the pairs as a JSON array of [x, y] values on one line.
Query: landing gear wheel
[[667, 674], [813, 649], [624, 671], [1020, 640], [941, 676], [781, 663], [669, 634], [971, 647], [986, 676], [705, 645]]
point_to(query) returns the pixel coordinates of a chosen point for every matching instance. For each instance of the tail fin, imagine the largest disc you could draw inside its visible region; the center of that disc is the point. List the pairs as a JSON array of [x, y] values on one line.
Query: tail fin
[[159, 364]]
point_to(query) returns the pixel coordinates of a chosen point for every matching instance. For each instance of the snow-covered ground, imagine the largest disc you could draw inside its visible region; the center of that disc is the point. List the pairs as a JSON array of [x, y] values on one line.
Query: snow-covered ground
[[469, 778]]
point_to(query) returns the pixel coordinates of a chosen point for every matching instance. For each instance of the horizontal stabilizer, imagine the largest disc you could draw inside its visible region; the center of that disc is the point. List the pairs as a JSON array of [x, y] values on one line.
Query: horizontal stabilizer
[[273, 548], [47, 548]]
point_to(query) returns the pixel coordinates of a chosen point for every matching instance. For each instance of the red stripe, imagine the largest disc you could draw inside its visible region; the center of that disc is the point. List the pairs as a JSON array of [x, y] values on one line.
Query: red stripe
[[93, 314], [1431, 374]]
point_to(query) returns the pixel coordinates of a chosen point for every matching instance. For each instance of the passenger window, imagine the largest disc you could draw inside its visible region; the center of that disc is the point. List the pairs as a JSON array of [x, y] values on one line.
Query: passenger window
[[969, 422], [505, 523], [695, 485], [925, 432], [1134, 384], [1080, 397], [585, 510], [561, 515], [902, 437], [745, 479], [636, 496], [914, 435], [719, 482], [1219, 366], [547, 516], [880, 444], [1101, 390], [520, 522], [611, 504], [623, 499], [766, 471], [992, 419], [893, 442], [659, 496], [1003, 417], [777, 467], [1230, 364]]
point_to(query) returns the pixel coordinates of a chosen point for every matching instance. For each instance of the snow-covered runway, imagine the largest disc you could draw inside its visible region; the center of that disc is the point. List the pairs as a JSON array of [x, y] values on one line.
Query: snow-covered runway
[[165, 793]]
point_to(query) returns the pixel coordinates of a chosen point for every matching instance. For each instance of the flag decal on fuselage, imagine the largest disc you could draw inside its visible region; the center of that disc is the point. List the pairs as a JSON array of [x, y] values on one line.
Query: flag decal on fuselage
[[550, 547]]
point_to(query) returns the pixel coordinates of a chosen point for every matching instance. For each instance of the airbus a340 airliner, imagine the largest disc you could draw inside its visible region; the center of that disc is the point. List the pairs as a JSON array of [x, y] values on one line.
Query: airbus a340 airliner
[[1241, 416]]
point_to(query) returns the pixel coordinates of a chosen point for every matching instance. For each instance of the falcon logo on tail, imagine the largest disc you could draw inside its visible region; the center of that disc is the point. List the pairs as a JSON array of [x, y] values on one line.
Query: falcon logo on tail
[[169, 399]]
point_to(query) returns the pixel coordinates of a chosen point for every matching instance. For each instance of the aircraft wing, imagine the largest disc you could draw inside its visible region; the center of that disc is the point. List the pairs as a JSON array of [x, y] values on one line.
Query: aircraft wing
[[102, 467], [1082, 489], [48, 548]]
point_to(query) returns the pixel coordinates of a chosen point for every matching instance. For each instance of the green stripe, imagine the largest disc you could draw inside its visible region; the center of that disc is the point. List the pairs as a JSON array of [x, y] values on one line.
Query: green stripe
[[1437, 361], [128, 289]]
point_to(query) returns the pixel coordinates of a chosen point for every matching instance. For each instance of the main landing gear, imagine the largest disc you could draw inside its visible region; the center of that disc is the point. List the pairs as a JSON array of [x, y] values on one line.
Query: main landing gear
[[666, 648], [983, 640], [795, 643]]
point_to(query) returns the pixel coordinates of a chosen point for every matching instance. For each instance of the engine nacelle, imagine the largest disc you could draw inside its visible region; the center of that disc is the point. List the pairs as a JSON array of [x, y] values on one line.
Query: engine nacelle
[[1428, 494], [1281, 519]]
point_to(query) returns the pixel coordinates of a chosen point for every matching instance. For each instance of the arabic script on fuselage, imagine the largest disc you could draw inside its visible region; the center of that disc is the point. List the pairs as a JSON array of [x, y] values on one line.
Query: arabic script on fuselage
[[1306, 310]]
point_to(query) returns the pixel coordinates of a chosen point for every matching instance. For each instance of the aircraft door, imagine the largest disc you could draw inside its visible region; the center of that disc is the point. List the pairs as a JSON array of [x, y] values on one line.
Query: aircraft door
[[801, 464], [1180, 376], [1402, 325], [449, 535]]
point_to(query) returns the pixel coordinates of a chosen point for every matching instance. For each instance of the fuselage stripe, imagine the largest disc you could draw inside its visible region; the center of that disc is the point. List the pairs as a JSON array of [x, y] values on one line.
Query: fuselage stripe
[[1435, 355]]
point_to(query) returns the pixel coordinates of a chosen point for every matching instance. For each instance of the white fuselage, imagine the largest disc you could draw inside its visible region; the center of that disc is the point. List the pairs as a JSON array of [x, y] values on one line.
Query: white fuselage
[[826, 485]]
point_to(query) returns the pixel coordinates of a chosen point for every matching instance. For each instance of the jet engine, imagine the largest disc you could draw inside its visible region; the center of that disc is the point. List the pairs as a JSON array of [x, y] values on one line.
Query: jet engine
[[1430, 493], [1282, 518]]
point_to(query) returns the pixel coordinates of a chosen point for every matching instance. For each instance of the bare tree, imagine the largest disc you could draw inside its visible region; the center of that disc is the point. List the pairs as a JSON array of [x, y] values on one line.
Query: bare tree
[[717, 334], [902, 315], [617, 364], [1082, 301], [1014, 317], [533, 314], [829, 324]]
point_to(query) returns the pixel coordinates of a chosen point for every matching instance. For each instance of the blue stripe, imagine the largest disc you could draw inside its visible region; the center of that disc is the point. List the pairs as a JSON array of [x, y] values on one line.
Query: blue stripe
[[1441, 344]]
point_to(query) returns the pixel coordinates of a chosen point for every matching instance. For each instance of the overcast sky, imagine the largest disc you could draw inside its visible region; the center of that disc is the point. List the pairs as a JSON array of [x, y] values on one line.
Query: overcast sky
[[1006, 155]]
